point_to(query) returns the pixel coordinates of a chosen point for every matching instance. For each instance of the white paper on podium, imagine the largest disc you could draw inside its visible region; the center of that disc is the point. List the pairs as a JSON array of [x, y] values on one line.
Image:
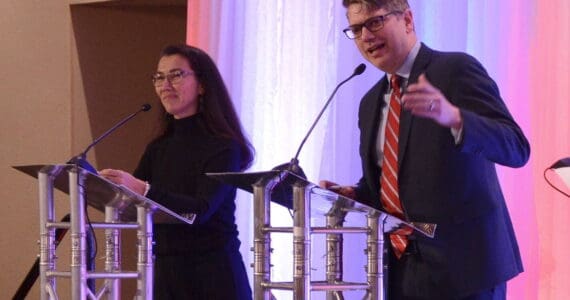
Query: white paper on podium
[[564, 174]]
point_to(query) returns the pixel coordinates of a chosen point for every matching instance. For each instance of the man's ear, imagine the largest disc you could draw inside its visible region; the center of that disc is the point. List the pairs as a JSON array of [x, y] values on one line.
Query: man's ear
[[409, 19]]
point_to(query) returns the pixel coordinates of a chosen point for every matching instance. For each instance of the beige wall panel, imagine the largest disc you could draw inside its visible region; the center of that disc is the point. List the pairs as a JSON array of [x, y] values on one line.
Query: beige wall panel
[[117, 50], [34, 122], [69, 74]]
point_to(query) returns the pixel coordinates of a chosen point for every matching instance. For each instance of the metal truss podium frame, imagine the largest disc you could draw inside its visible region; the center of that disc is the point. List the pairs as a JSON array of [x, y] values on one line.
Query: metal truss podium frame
[[123, 210], [309, 201]]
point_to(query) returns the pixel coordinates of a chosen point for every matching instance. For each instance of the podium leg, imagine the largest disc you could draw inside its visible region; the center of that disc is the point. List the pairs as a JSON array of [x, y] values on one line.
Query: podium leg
[[301, 243], [334, 257], [112, 254], [375, 255], [261, 243], [47, 235], [78, 239], [145, 261]]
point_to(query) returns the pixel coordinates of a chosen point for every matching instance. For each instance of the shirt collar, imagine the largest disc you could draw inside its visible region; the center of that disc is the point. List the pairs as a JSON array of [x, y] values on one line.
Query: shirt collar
[[406, 68]]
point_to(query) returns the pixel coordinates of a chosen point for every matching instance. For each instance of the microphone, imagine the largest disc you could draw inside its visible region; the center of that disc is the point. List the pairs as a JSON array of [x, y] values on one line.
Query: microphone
[[80, 159], [282, 191], [294, 165]]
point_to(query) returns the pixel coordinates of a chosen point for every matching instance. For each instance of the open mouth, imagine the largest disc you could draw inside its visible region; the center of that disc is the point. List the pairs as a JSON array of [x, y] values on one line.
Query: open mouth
[[376, 48]]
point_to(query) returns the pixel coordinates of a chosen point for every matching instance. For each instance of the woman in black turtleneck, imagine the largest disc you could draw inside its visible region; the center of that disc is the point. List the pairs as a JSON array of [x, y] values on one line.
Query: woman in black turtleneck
[[202, 134]]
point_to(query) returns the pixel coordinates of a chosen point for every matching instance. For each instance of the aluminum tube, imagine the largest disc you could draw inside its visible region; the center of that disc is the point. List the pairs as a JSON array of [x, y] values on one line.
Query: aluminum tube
[[47, 235], [319, 286], [261, 240], [115, 225], [374, 252], [341, 230], [340, 286], [277, 229], [145, 261], [78, 238], [319, 230], [383, 271], [112, 254], [334, 257], [301, 242], [119, 275], [62, 225], [58, 274]]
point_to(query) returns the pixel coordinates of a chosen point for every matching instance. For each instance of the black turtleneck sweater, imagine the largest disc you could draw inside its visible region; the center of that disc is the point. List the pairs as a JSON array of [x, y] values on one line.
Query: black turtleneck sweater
[[175, 166]]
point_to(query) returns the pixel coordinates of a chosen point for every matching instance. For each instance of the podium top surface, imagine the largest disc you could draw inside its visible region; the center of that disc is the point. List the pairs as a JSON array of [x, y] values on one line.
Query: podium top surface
[[100, 193], [323, 202]]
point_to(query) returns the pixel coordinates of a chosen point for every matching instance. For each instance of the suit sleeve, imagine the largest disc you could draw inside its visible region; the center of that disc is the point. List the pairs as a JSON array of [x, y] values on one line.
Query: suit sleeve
[[488, 128]]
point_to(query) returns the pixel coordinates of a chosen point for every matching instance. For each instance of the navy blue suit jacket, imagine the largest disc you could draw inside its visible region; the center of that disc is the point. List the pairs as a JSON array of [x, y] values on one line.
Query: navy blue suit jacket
[[454, 186]]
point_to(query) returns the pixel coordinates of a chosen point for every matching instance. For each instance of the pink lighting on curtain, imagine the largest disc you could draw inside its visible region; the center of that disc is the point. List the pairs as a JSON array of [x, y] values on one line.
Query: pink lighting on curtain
[[550, 112], [524, 46]]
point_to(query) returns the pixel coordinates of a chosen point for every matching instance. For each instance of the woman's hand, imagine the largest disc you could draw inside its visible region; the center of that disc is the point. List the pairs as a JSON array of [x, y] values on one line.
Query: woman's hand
[[125, 179]]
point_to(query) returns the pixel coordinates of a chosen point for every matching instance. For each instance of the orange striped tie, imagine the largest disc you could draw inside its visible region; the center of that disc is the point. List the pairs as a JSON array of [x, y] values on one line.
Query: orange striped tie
[[389, 191]]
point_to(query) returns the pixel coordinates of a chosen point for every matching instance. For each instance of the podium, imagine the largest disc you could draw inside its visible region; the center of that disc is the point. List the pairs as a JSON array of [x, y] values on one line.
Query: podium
[[309, 202], [123, 209]]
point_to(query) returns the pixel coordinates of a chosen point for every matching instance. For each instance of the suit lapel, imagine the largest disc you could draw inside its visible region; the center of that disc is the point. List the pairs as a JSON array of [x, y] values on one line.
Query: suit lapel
[[376, 99], [371, 124], [406, 118]]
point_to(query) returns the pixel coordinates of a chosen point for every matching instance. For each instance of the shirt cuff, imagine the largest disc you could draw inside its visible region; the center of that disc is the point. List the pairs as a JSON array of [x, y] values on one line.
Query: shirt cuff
[[457, 135]]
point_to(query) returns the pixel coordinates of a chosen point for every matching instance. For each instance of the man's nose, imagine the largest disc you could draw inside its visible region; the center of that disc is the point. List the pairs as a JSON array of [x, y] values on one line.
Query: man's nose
[[366, 34]]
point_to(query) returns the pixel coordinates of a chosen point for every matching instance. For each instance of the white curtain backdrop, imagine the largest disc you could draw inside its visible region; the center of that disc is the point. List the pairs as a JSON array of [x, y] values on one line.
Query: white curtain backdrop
[[282, 58]]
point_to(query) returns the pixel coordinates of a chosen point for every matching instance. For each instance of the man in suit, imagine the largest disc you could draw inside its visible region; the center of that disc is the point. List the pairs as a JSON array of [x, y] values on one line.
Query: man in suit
[[452, 127]]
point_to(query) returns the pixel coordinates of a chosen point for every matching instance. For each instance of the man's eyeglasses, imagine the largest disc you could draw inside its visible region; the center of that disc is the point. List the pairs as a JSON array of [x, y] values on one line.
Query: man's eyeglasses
[[173, 77], [373, 24]]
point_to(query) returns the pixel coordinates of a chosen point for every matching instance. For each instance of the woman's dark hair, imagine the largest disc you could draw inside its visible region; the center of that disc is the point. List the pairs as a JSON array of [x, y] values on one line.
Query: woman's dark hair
[[216, 107]]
